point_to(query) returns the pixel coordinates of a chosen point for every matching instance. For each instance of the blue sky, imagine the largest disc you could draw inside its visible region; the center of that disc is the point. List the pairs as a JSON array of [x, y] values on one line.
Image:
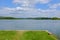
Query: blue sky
[[30, 8]]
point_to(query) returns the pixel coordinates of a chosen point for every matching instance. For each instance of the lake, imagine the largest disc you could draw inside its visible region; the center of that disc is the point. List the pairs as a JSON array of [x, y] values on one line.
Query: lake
[[50, 25]]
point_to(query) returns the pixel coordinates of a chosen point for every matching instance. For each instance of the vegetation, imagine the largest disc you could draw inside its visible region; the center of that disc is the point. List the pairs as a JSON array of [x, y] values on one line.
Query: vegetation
[[36, 18], [7, 18], [45, 18], [26, 35], [7, 35], [37, 35]]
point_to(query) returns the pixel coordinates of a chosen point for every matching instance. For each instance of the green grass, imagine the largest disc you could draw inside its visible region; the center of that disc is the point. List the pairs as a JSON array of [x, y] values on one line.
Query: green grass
[[37, 35], [7, 35], [26, 35]]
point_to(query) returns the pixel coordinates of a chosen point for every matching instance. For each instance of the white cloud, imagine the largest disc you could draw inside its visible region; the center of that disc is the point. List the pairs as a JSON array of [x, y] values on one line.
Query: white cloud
[[30, 3], [44, 1], [54, 6], [29, 12], [27, 9]]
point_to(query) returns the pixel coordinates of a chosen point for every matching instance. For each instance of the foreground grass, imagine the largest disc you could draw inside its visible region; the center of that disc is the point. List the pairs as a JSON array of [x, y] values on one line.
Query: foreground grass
[[26, 35], [7, 35]]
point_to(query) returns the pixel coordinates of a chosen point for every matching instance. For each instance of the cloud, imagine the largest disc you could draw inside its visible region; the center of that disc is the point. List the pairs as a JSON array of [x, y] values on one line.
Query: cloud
[[54, 6], [30, 3], [29, 12], [44, 1], [27, 9]]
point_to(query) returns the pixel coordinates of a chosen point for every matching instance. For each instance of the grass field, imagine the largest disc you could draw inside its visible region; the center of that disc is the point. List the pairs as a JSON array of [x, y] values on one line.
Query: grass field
[[26, 35]]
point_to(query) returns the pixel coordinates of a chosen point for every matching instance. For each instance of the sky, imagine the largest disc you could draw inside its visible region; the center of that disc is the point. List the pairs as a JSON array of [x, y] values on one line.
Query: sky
[[30, 8]]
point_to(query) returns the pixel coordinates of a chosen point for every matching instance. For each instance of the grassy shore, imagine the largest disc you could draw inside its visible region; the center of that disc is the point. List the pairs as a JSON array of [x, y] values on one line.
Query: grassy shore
[[26, 35]]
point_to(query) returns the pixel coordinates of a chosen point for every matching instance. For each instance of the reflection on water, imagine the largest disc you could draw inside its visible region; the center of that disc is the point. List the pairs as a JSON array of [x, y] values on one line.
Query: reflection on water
[[51, 25]]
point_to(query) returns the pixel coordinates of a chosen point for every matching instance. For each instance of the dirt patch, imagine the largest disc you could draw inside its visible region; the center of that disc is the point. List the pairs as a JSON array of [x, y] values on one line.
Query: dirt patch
[[19, 34]]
